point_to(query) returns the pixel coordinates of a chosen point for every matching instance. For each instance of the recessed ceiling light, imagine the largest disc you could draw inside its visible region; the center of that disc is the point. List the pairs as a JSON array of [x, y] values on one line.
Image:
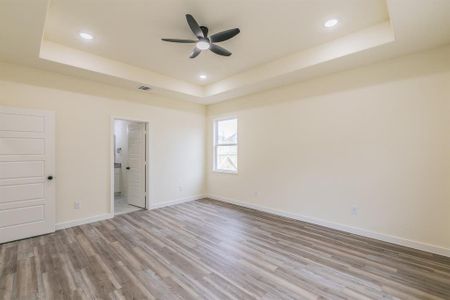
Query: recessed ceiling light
[[330, 23], [86, 36], [203, 76], [203, 45]]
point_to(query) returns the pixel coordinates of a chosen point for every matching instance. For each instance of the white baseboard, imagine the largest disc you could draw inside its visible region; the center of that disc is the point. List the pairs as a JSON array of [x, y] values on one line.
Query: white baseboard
[[346, 228], [101, 217], [177, 201], [72, 223]]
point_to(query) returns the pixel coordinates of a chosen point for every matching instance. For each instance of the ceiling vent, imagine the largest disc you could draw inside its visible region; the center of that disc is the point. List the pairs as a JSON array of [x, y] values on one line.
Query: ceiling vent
[[144, 88]]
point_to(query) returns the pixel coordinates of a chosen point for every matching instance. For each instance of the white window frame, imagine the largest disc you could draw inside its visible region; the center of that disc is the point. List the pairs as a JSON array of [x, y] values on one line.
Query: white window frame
[[216, 145]]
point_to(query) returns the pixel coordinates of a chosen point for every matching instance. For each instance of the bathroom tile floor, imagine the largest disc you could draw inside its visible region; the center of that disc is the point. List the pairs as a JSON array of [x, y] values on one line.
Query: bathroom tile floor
[[121, 206]]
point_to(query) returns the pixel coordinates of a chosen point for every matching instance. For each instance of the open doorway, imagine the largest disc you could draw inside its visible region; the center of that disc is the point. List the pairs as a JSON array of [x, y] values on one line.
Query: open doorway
[[130, 166]]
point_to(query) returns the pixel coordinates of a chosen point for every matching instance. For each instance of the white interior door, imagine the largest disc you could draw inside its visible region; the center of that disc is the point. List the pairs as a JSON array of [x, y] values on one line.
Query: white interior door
[[136, 167], [27, 193]]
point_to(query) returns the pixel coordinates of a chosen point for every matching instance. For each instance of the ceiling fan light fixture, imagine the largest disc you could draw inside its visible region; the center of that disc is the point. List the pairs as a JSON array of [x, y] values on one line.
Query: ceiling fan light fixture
[[203, 45], [205, 42]]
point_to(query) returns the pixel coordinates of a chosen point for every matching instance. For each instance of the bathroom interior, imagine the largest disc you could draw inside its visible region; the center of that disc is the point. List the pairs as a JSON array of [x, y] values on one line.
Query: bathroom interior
[[129, 166]]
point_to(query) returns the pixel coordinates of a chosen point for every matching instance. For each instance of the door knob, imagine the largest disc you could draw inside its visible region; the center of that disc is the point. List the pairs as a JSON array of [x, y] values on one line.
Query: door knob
[[50, 177]]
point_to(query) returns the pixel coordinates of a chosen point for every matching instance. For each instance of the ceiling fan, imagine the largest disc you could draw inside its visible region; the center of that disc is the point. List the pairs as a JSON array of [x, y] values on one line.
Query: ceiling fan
[[204, 42]]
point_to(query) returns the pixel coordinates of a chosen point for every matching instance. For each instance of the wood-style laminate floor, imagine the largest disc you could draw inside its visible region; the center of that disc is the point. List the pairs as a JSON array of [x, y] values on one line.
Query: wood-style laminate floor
[[211, 250]]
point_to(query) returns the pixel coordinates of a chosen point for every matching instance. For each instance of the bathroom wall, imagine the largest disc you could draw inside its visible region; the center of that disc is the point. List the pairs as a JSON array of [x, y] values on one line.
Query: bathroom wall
[[121, 156]]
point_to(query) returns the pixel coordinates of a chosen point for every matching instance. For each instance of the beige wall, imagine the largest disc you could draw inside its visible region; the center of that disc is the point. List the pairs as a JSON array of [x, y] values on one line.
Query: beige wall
[[376, 139], [83, 137]]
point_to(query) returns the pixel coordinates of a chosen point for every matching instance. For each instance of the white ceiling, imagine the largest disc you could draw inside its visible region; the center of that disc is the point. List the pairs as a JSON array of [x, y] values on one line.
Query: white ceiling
[[127, 50], [131, 31]]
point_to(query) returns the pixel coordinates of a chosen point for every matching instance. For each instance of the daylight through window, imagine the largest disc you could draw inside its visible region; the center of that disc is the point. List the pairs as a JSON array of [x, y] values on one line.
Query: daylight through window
[[225, 145]]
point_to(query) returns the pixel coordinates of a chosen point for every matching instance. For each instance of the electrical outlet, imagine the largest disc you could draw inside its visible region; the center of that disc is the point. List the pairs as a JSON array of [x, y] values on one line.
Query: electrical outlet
[[76, 205], [354, 211], [256, 194], [180, 188]]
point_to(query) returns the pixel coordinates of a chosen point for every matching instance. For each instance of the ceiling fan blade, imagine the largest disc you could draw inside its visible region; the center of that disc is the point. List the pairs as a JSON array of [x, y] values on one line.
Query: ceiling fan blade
[[179, 41], [195, 52], [194, 26], [204, 30], [224, 35], [219, 50]]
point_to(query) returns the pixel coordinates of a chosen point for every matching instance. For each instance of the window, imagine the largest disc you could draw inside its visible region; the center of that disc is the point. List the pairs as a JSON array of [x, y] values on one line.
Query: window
[[225, 145]]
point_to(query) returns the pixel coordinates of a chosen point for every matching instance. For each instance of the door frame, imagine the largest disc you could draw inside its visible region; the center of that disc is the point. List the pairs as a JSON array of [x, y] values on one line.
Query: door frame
[[147, 159]]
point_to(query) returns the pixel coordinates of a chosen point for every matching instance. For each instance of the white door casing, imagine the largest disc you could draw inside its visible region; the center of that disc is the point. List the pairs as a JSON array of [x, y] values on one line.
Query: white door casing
[[27, 159], [136, 174]]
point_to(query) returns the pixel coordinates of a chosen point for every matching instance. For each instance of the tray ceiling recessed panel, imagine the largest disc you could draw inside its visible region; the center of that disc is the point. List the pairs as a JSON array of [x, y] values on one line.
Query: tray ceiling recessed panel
[[281, 41], [131, 31]]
